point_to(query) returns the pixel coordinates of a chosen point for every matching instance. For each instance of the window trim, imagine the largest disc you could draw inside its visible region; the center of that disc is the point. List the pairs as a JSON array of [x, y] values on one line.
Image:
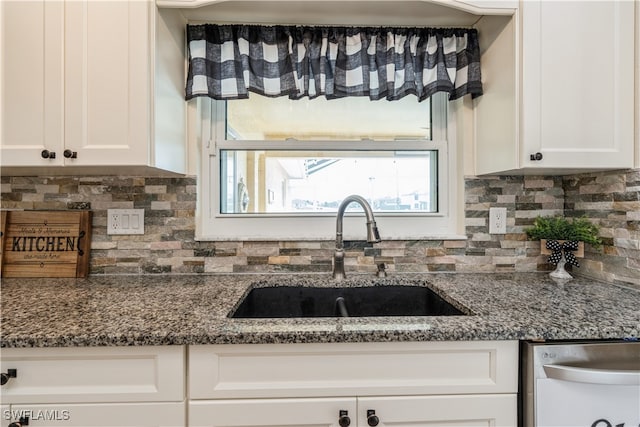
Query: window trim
[[211, 225]]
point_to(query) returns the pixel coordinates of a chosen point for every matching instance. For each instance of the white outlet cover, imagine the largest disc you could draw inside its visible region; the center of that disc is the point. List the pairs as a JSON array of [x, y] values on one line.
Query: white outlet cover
[[125, 221], [497, 220]]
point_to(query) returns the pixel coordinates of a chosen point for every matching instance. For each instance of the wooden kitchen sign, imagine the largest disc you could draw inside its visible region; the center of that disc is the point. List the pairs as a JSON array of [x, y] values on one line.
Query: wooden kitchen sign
[[45, 243]]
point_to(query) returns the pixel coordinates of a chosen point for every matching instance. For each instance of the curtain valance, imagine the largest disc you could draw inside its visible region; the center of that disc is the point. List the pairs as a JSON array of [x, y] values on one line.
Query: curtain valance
[[229, 61]]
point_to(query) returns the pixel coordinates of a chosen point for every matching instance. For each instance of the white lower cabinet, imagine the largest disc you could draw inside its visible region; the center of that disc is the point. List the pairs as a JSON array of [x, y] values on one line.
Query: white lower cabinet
[[463, 384], [420, 383], [467, 411], [94, 386]]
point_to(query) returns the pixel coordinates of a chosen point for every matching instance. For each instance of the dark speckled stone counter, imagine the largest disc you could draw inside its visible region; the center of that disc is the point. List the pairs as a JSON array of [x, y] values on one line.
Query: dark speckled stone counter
[[193, 309]]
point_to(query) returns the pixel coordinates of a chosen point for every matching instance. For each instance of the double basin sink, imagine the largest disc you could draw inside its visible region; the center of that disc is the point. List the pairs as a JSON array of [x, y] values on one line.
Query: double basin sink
[[291, 301]]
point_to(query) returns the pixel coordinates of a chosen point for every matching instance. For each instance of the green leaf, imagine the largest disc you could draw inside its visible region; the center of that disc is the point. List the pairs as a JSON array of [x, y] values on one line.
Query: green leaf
[[561, 228]]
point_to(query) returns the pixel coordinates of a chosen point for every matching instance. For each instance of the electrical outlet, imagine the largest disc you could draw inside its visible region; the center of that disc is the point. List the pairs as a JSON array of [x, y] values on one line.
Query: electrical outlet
[[125, 221], [497, 220]]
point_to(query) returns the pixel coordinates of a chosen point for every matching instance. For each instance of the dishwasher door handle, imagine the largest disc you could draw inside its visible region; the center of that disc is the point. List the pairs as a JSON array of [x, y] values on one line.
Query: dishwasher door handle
[[593, 375]]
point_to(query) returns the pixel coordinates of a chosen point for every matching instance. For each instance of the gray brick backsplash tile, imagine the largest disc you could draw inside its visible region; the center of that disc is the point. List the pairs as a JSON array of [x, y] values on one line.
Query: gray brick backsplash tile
[[611, 199]]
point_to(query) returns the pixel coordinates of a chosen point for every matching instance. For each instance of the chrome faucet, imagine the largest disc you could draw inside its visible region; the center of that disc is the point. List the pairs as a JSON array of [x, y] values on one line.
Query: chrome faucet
[[372, 232]]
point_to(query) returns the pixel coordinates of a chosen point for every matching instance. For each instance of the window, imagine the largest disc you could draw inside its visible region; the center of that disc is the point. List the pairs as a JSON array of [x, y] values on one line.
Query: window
[[277, 169]]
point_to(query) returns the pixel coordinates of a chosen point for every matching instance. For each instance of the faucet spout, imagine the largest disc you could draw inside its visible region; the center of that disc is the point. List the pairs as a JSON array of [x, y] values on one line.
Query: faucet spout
[[373, 235]]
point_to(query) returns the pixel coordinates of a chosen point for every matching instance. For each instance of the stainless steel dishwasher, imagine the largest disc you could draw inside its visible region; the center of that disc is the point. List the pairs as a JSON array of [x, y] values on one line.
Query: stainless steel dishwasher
[[586, 384]]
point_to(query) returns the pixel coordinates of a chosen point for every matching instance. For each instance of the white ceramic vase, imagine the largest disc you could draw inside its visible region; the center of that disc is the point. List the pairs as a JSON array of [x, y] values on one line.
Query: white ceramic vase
[[560, 272]]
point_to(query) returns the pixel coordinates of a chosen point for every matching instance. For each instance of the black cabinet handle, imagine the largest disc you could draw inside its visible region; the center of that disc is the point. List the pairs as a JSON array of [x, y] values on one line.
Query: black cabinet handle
[[24, 421], [344, 419], [372, 418], [535, 157], [5, 377], [70, 154], [46, 154]]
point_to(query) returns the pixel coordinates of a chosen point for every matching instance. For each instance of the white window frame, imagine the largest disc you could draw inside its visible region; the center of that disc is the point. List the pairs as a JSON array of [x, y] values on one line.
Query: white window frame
[[211, 225]]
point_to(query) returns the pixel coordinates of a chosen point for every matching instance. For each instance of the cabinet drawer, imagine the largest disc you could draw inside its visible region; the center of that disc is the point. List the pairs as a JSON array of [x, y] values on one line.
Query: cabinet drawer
[[315, 412], [354, 369], [436, 411], [99, 414], [94, 374]]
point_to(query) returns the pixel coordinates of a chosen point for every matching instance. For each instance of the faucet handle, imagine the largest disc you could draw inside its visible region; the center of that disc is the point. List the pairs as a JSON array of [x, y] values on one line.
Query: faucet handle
[[338, 264], [382, 272]]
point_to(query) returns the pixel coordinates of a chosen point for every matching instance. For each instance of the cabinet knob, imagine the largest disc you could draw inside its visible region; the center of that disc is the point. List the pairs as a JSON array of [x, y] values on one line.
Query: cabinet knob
[[344, 419], [70, 154], [372, 418], [535, 157], [46, 154], [5, 377], [24, 421]]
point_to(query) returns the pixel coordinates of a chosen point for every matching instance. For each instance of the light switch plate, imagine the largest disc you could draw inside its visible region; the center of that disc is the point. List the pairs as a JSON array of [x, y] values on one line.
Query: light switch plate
[[125, 221], [497, 220]]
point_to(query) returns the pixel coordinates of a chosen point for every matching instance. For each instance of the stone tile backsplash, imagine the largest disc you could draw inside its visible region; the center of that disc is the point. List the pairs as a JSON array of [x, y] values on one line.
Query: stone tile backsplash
[[611, 199]]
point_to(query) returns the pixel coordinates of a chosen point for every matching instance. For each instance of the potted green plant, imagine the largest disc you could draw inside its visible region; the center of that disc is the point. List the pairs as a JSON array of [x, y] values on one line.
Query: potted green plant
[[563, 239]]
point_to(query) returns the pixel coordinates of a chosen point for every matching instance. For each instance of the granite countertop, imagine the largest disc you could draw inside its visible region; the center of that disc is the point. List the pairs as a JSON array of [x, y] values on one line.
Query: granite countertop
[[193, 309]]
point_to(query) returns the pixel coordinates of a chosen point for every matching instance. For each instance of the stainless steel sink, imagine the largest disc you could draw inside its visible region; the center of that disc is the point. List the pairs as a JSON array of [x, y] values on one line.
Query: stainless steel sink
[[359, 301]]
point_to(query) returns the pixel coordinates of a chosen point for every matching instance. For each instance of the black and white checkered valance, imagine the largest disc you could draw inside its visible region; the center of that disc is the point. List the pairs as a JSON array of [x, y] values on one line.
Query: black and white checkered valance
[[229, 61]]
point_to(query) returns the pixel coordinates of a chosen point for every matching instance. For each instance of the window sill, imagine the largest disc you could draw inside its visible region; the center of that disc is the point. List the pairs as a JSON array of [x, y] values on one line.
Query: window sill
[[328, 239]]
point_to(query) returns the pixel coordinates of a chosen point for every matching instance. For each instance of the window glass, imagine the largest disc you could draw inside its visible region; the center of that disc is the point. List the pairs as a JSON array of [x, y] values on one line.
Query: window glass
[[273, 180], [268, 181], [319, 119]]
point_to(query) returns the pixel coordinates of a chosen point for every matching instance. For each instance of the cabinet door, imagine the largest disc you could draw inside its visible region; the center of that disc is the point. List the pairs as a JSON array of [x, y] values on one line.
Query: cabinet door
[[94, 374], [577, 83], [271, 412], [5, 414], [459, 411], [352, 369], [109, 414], [107, 81], [31, 75]]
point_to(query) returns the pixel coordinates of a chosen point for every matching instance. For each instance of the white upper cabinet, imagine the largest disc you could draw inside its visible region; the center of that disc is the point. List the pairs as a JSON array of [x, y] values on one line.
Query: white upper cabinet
[[82, 80], [637, 103], [577, 83], [567, 102], [31, 78], [107, 81]]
